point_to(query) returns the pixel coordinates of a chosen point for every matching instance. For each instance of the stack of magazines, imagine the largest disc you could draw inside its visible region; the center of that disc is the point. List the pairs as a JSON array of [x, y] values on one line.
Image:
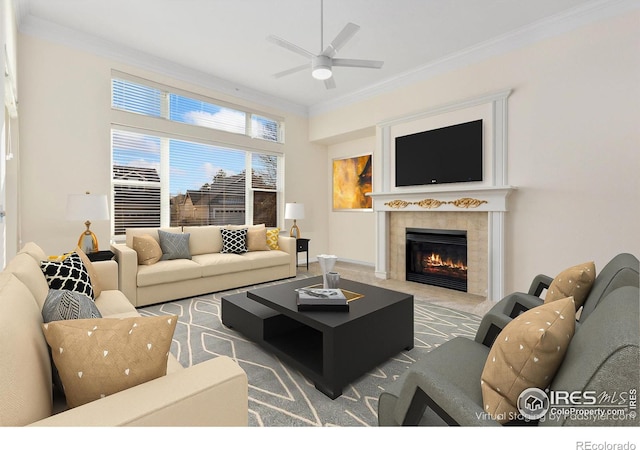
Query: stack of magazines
[[313, 299]]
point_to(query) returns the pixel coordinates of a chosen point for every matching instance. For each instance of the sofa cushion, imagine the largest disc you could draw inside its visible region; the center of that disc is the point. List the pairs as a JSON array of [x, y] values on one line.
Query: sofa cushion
[[25, 390], [257, 239], [99, 357], [234, 241], [34, 250], [168, 272], [272, 238], [259, 260], [70, 273], [204, 239], [27, 270], [220, 263], [174, 245], [114, 303], [526, 354], [147, 249], [68, 305], [573, 282]]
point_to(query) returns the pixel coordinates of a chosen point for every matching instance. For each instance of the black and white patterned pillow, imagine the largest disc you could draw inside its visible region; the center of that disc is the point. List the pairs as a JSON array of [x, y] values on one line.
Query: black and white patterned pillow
[[234, 241], [68, 305], [174, 245], [69, 274]]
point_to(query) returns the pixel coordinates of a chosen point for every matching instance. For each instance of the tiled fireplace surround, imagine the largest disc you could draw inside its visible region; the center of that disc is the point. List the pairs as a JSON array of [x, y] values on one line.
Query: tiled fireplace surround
[[479, 211], [475, 224]]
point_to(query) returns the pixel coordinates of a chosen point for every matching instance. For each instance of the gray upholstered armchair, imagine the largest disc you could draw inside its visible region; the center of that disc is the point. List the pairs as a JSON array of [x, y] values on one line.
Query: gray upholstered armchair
[[621, 270], [444, 387]]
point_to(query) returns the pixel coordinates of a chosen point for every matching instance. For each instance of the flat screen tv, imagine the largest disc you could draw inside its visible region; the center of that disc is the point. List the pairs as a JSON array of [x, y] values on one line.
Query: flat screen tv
[[452, 154]]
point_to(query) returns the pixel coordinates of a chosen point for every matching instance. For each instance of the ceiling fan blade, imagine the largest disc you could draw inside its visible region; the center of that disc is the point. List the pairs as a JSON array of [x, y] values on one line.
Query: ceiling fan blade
[[341, 39], [292, 70], [363, 63], [289, 46], [330, 83]]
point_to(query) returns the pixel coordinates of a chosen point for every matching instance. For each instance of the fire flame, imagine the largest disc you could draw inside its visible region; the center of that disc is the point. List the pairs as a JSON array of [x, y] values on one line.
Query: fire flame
[[436, 260]]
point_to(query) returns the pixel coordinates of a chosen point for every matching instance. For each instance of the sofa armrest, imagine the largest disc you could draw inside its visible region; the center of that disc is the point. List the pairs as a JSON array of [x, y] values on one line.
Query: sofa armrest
[[539, 283], [451, 404], [127, 259], [107, 273], [212, 393], [491, 325], [288, 244]]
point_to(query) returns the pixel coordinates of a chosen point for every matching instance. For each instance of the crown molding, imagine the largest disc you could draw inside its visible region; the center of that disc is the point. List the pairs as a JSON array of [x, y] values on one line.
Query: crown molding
[[538, 31], [33, 26], [553, 26]]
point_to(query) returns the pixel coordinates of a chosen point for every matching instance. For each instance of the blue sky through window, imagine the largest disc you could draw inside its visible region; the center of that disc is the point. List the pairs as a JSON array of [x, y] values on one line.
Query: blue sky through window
[[193, 165]]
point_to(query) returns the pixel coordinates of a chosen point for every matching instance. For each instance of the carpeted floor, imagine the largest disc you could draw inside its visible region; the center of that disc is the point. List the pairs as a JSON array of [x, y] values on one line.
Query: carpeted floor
[[280, 395]]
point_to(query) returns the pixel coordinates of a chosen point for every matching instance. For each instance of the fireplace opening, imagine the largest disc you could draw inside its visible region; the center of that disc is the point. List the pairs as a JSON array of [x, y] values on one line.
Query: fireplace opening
[[437, 257]]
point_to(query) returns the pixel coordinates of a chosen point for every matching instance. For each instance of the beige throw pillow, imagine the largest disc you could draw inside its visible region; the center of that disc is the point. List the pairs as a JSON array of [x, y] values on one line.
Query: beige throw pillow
[[147, 248], [99, 357], [573, 282], [257, 239], [527, 353]]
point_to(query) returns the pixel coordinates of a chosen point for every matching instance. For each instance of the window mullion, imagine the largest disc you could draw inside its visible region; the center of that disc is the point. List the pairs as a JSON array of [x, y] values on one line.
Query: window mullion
[[248, 202], [165, 173]]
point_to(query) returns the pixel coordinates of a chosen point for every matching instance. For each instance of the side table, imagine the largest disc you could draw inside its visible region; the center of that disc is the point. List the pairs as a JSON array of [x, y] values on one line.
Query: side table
[[302, 245], [102, 255]]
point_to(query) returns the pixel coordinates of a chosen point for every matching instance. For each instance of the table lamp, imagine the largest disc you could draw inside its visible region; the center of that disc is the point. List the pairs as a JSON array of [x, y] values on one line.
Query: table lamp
[[87, 207], [294, 211]]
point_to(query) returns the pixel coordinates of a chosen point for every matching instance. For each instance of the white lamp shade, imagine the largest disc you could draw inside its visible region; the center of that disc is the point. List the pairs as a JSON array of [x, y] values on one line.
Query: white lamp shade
[[294, 211], [87, 207]]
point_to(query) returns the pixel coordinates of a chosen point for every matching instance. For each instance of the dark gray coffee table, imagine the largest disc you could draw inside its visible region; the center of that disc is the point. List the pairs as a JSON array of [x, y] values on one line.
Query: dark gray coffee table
[[330, 348]]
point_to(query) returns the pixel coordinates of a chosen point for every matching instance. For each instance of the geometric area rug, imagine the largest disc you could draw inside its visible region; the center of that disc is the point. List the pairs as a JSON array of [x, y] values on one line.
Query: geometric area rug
[[279, 395]]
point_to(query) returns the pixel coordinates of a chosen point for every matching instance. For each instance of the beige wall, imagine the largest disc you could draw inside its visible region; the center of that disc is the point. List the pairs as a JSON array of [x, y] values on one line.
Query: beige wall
[[573, 145], [351, 233], [65, 144]]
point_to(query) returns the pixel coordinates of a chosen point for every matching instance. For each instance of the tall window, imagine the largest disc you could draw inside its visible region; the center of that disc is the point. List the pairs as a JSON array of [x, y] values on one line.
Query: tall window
[[162, 179]]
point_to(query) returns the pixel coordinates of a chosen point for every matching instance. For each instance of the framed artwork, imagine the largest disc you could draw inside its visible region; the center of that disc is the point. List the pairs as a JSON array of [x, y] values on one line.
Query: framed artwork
[[351, 181]]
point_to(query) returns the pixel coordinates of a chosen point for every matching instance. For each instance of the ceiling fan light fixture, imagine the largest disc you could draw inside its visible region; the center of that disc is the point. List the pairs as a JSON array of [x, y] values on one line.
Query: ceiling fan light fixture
[[321, 73], [321, 69]]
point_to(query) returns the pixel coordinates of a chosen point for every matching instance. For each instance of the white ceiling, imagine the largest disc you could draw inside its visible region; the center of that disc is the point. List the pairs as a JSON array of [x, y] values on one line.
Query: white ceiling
[[224, 41]]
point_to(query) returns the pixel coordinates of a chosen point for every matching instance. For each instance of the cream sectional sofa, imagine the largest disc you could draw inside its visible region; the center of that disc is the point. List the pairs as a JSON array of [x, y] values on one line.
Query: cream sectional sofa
[[208, 270], [213, 393]]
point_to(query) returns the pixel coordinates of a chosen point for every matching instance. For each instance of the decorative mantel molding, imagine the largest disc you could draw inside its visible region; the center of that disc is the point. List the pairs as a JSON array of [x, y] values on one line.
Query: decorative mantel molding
[[481, 199]]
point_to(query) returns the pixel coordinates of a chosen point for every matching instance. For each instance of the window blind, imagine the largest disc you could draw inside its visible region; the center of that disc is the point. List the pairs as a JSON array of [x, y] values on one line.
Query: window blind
[[151, 100]]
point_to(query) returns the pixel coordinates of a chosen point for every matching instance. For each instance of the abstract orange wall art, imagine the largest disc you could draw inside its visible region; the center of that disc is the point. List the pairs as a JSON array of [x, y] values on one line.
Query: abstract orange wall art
[[351, 181]]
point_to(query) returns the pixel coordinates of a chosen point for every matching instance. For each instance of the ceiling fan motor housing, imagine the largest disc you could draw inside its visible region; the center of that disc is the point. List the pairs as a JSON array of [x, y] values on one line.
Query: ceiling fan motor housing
[[321, 67]]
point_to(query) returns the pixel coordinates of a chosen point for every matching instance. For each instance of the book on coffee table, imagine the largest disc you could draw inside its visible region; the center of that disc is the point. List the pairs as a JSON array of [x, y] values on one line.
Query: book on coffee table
[[311, 299]]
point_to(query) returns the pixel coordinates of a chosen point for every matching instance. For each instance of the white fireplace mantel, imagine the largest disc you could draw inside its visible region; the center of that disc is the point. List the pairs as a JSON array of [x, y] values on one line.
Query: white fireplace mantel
[[490, 200], [480, 199]]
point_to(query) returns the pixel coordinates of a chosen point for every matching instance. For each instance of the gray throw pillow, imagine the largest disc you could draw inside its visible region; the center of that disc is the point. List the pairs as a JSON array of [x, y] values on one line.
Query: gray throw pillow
[[62, 304], [174, 245]]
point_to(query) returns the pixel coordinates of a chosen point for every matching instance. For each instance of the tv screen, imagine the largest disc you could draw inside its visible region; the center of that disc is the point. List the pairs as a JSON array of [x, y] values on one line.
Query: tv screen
[[452, 154]]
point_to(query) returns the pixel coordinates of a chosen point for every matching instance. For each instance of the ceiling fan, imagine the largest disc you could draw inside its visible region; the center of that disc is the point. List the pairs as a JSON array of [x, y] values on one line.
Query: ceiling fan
[[321, 64]]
